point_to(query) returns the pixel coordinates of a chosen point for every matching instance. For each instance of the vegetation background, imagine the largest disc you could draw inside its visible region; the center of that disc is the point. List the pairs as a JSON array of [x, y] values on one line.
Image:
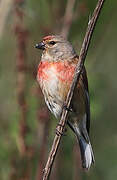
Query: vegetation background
[[26, 126]]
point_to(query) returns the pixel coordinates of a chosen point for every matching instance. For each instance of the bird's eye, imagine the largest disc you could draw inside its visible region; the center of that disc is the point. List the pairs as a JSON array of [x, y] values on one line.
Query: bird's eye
[[52, 42]]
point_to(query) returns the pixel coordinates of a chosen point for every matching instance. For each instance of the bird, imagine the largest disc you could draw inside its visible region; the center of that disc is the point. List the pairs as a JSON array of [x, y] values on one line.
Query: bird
[[55, 74]]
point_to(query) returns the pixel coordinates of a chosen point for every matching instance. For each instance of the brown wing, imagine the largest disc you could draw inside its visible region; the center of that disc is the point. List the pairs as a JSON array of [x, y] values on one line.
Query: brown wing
[[81, 101], [87, 99]]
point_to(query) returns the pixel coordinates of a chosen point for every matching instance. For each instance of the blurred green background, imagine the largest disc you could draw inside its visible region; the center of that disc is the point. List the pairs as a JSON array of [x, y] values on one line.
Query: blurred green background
[[26, 127]]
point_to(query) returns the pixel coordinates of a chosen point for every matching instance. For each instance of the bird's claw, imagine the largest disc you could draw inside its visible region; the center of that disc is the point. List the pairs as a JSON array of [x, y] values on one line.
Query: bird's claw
[[66, 108], [58, 132]]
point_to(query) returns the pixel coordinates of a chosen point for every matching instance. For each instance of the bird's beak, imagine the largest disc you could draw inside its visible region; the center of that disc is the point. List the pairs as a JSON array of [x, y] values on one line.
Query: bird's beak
[[41, 45]]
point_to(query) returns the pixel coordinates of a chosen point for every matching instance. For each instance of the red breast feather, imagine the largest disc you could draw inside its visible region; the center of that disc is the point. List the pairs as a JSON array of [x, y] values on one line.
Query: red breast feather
[[63, 71], [55, 79]]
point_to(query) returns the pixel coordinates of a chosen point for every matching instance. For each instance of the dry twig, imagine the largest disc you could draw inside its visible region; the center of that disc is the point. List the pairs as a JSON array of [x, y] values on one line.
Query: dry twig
[[44, 119], [5, 6], [67, 21], [21, 39], [78, 70], [21, 34]]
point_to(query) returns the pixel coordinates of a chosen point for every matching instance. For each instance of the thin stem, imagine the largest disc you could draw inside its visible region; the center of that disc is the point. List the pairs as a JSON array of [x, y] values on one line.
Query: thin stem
[[78, 71], [67, 20]]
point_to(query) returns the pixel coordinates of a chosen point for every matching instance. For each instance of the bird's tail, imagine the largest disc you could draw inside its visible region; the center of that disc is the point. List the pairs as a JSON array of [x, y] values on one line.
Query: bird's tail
[[86, 153]]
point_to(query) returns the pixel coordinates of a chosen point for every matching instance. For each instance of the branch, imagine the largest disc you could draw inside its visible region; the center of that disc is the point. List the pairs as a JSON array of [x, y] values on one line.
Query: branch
[[78, 71], [5, 7], [21, 40], [44, 119], [67, 21]]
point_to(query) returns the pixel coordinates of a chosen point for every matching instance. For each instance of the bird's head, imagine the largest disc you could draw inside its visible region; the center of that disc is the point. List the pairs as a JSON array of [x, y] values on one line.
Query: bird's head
[[55, 48]]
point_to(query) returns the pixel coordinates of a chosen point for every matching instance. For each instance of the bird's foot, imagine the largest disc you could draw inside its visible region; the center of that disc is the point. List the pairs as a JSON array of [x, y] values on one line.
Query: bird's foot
[[59, 132], [66, 108]]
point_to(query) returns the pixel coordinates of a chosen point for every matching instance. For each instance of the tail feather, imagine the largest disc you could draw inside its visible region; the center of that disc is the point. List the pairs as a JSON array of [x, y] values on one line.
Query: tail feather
[[86, 153]]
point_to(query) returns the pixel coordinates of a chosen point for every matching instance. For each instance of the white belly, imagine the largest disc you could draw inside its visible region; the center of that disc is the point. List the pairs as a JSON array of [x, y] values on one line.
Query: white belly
[[50, 90]]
